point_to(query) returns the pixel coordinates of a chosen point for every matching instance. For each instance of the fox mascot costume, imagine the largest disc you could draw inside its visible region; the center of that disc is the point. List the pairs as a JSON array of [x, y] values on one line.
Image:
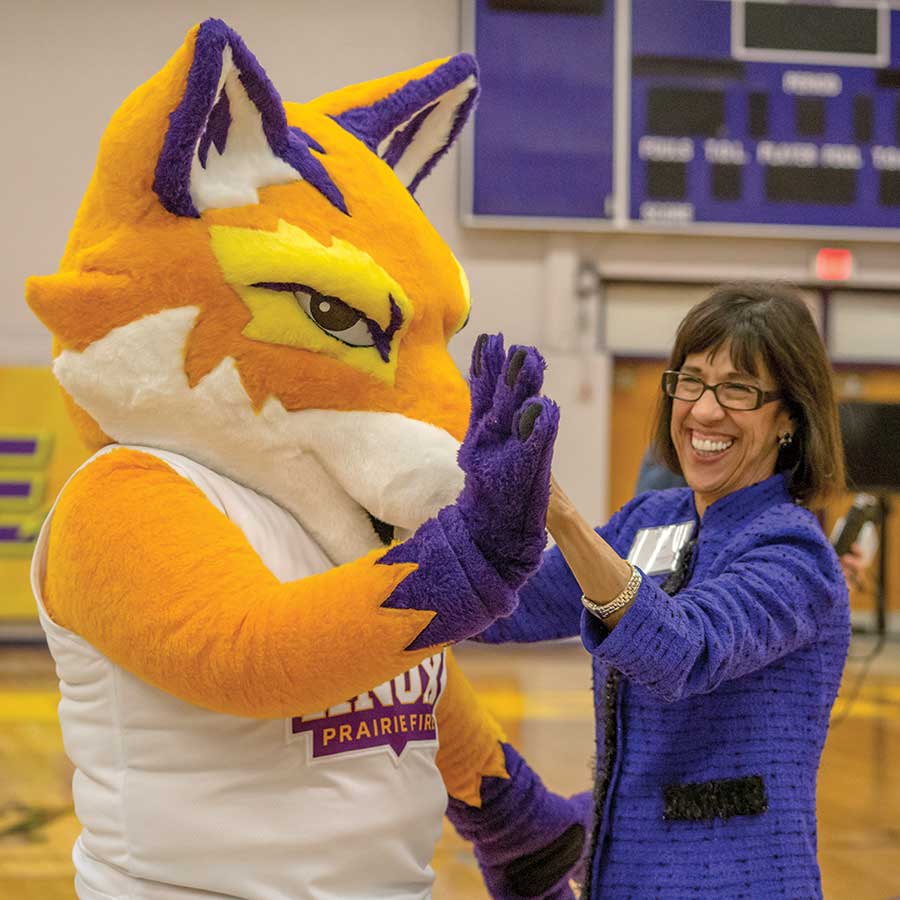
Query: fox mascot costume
[[250, 589]]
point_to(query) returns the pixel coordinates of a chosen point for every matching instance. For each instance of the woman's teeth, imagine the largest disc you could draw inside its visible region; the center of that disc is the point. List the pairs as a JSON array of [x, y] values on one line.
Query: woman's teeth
[[705, 445]]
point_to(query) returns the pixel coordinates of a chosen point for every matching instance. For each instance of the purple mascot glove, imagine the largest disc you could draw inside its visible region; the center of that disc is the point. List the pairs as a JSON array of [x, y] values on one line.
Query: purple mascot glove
[[506, 457], [529, 842], [475, 555]]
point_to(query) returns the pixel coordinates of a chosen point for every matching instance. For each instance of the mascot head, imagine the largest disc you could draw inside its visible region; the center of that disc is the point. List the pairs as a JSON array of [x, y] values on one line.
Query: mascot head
[[252, 284]]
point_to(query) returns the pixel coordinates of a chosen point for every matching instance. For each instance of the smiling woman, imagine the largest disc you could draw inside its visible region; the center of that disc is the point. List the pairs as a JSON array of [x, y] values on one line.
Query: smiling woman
[[756, 343], [716, 616], [721, 444]]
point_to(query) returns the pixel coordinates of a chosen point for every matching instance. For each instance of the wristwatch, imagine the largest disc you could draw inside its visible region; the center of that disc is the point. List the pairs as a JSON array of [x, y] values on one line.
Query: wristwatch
[[628, 593]]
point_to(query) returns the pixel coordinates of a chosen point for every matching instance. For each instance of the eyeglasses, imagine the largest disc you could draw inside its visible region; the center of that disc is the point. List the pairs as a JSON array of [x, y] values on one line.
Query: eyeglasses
[[729, 394]]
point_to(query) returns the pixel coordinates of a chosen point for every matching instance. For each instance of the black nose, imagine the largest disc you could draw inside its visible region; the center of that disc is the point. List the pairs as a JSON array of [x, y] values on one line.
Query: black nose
[[384, 531]]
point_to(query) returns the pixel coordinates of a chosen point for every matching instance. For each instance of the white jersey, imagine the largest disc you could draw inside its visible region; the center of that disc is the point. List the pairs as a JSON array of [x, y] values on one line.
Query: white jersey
[[180, 802]]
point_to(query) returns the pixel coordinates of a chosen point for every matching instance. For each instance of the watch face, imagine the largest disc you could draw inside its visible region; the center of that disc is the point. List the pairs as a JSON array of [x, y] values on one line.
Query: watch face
[[655, 550]]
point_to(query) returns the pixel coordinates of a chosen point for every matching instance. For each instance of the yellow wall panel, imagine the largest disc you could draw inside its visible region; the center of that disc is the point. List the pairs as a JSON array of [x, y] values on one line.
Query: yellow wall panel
[[31, 404]]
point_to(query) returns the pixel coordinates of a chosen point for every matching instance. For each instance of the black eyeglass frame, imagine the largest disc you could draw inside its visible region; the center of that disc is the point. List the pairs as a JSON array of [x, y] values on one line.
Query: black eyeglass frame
[[762, 397]]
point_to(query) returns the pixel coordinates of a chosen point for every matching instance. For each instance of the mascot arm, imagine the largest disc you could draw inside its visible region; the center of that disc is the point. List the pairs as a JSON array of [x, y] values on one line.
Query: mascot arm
[[478, 552], [529, 842], [471, 739], [142, 566]]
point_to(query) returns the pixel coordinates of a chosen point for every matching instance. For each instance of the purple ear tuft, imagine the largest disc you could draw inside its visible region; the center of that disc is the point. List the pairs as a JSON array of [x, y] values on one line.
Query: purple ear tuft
[[403, 138], [216, 129], [311, 142], [412, 128], [215, 102]]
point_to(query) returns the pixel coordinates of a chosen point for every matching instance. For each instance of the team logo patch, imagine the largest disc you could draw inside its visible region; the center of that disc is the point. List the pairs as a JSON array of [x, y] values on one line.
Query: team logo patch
[[392, 715]]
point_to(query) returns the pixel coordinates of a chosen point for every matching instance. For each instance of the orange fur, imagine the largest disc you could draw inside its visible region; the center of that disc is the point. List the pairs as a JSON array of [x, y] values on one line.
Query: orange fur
[[191, 609], [140, 564], [127, 257], [470, 739]]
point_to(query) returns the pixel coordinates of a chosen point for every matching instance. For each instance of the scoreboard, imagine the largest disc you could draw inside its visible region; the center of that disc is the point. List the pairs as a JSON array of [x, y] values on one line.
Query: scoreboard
[[542, 141], [725, 116]]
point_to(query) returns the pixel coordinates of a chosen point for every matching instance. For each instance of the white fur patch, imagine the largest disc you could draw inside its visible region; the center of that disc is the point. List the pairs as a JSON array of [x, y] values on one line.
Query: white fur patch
[[231, 178], [432, 136], [326, 467]]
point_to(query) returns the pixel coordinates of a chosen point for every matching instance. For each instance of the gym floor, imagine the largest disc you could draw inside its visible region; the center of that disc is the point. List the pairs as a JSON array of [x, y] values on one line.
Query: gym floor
[[541, 695]]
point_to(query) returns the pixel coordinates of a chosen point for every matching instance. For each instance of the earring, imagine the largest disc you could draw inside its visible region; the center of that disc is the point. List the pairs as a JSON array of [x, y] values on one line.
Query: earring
[[785, 440]]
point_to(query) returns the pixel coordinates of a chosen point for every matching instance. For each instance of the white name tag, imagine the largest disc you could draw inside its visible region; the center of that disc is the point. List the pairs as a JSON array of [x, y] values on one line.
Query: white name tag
[[655, 550]]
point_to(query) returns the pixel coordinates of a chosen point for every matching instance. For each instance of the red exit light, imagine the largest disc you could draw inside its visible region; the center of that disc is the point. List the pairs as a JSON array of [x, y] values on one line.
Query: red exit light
[[833, 264]]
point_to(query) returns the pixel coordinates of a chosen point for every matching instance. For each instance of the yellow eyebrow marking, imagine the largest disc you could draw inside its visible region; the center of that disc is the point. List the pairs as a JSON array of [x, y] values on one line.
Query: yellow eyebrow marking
[[255, 263], [289, 254]]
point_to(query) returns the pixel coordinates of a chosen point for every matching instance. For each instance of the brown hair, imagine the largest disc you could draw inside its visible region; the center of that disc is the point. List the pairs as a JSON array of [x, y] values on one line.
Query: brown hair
[[769, 322]]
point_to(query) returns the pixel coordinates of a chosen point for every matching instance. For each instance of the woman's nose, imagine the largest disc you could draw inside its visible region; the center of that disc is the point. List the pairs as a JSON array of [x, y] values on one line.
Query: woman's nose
[[707, 407]]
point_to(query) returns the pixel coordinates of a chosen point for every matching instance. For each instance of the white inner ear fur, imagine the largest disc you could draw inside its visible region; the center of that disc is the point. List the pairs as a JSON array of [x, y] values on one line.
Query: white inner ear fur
[[432, 136], [232, 178]]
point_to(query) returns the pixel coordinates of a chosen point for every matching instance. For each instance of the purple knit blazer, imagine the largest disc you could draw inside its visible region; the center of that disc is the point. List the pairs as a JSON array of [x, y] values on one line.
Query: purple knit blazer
[[712, 705]]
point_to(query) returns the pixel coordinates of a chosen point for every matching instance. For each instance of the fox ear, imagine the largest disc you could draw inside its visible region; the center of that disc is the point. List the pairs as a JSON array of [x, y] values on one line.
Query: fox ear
[[410, 119], [228, 135]]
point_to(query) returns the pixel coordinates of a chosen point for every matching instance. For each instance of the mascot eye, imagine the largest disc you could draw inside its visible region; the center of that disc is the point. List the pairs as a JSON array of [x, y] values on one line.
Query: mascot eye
[[336, 318]]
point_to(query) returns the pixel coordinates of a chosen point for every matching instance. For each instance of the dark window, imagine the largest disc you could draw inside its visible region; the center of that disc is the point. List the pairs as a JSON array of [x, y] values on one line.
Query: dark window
[[758, 115], [657, 66], [794, 184], [810, 113], [889, 188], [726, 181], [862, 119], [681, 111], [887, 78], [666, 180], [804, 26]]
